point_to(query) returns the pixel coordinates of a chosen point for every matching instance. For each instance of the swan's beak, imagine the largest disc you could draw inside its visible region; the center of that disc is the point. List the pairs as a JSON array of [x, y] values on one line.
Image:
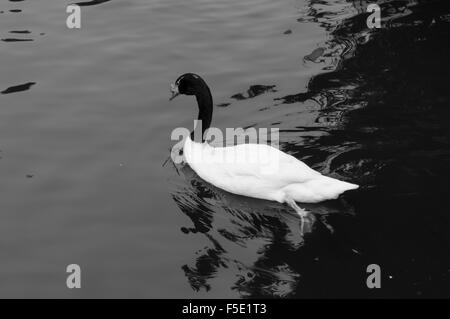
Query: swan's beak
[[174, 91]]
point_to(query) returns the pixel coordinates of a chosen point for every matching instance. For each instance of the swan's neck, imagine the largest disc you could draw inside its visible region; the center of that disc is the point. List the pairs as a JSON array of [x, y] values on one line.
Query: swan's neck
[[205, 111]]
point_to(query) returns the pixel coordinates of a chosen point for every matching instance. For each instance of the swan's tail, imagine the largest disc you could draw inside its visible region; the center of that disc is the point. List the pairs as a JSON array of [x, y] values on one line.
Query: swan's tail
[[318, 189], [331, 188]]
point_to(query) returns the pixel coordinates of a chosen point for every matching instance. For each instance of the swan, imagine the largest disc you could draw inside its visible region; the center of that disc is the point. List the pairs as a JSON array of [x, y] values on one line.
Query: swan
[[291, 181]]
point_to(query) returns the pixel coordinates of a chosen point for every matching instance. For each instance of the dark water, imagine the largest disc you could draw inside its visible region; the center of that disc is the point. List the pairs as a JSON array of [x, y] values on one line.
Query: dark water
[[85, 127]]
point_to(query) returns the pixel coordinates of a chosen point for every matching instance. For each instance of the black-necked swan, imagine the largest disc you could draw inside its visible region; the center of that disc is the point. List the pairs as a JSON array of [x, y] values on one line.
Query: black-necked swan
[[291, 181]]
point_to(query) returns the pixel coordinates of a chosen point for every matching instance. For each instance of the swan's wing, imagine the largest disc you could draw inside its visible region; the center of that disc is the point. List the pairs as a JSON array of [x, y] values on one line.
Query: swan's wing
[[261, 162]]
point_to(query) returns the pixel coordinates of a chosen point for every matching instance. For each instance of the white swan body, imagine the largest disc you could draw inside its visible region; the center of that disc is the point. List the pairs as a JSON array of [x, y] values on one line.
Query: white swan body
[[291, 180]]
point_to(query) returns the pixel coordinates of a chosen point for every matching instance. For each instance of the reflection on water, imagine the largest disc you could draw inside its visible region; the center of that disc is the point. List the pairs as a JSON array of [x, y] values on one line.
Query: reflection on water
[[18, 88], [377, 94], [20, 31], [254, 91], [91, 3], [16, 40], [249, 238], [313, 56]]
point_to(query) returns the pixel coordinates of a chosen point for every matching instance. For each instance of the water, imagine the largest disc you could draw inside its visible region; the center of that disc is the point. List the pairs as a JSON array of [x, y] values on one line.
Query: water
[[85, 127]]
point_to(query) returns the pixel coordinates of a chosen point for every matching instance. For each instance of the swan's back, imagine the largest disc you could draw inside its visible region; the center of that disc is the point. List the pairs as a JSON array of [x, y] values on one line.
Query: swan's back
[[261, 171]]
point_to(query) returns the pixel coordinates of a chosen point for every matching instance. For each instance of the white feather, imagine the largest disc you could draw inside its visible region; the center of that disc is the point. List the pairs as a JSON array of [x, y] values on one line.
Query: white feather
[[291, 180]]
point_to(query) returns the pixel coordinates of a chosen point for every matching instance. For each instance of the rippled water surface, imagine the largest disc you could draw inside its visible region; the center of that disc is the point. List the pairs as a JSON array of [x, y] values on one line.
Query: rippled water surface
[[85, 127]]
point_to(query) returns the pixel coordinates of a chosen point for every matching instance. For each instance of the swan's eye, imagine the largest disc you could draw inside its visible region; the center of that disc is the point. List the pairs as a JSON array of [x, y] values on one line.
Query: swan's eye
[[188, 84]]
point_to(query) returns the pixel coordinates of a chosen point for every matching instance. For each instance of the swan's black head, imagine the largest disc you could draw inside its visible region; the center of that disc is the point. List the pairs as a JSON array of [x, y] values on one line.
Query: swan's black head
[[188, 84]]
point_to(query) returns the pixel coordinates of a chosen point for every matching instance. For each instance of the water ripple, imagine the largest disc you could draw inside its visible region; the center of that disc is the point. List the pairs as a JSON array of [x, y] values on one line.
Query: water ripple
[[18, 88]]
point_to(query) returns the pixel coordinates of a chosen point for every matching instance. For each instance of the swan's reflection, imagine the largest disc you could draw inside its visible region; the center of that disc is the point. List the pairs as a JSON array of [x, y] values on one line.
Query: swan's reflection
[[257, 242]]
